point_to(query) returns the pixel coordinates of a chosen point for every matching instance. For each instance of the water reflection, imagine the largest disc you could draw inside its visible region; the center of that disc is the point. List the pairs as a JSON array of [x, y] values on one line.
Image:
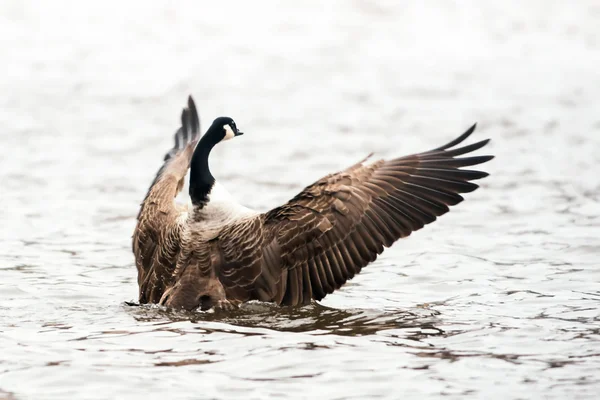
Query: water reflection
[[314, 319]]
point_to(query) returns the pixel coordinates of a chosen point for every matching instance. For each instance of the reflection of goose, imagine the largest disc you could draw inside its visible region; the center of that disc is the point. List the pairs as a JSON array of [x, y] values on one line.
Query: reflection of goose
[[218, 253], [315, 318]]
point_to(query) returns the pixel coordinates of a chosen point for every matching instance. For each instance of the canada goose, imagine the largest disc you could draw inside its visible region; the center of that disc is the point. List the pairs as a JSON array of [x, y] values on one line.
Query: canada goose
[[217, 253]]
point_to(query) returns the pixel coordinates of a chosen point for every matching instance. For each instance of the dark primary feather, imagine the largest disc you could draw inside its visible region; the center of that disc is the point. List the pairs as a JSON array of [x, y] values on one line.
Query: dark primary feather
[[326, 234], [458, 140], [188, 132]]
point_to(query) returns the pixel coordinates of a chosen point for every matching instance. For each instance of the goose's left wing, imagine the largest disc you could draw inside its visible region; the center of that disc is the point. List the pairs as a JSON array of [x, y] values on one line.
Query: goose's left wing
[[325, 235], [156, 236]]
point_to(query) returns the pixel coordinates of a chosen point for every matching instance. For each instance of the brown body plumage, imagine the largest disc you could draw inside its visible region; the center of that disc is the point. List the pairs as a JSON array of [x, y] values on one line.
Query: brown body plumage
[[300, 251]]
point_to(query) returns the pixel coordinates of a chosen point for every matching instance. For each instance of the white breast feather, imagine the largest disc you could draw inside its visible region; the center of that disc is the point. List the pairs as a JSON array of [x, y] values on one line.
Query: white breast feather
[[221, 210]]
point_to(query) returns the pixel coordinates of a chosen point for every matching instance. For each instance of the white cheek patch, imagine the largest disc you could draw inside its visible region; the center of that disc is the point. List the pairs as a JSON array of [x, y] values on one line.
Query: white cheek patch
[[228, 132]]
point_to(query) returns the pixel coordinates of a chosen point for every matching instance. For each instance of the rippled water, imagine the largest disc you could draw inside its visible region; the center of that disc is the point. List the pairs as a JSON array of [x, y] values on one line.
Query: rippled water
[[498, 299]]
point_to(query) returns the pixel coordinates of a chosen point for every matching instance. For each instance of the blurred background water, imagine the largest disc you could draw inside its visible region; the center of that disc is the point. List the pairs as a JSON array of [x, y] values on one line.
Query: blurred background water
[[499, 299]]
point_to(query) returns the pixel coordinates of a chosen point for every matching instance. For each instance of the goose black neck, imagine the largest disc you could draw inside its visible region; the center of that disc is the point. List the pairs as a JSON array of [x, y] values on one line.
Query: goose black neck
[[201, 180]]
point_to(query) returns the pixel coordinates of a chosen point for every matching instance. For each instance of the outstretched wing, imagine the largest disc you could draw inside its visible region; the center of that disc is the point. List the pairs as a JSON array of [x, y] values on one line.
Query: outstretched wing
[[156, 236], [325, 235]]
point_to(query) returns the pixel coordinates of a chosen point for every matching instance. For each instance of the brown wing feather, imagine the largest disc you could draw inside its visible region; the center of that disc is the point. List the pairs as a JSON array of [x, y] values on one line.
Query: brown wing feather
[[241, 247], [326, 234], [156, 236]]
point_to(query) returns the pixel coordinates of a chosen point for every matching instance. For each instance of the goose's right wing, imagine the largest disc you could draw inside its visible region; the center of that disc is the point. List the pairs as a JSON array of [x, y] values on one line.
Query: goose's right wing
[[324, 236], [156, 236]]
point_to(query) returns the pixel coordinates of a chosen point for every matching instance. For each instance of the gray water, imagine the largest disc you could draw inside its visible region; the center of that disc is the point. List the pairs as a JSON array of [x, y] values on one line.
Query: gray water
[[499, 299]]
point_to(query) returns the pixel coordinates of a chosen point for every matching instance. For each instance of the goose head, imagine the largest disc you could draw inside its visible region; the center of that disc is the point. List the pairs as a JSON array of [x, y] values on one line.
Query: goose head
[[223, 128]]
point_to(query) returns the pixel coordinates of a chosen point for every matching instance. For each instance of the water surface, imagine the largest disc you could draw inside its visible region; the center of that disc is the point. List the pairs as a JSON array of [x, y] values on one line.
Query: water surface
[[497, 299]]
